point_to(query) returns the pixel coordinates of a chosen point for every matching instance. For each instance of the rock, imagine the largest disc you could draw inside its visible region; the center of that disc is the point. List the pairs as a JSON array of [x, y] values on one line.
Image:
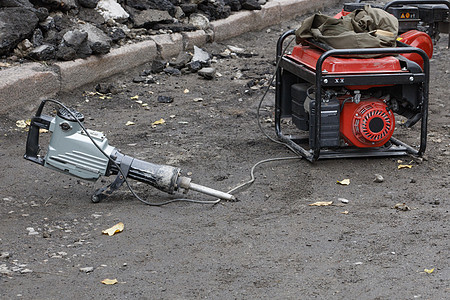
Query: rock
[[62, 5], [116, 34], [201, 56], [235, 5], [111, 10], [88, 3], [163, 5], [17, 23], [194, 66], [77, 40], [23, 48], [43, 52], [182, 59], [378, 178], [251, 5], [215, 10], [98, 41], [189, 8], [179, 13], [66, 53], [172, 71], [144, 79], [207, 73], [38, 38], [47, 24], [106, 88], [158, 65], [5, 255], [199, 21], [149, 17], [87, 269], [90, 15], [165, 99]]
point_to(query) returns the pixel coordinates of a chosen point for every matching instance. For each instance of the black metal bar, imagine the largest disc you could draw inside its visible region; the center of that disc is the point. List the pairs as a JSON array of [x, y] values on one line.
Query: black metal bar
[[280, 42]]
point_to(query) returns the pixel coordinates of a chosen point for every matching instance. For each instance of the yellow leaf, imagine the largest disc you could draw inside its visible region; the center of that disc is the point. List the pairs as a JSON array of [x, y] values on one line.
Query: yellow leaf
[[345, 212], [21, 123], [344, 182], [144, 104], [404, 166], [135, 97], [129, 123], [321, 203], [159, 122], [116, 228], [429, 271], [109, 281]]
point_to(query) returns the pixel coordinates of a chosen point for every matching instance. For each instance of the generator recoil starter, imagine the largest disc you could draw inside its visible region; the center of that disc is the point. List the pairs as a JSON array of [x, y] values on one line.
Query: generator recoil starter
[[72, 150]]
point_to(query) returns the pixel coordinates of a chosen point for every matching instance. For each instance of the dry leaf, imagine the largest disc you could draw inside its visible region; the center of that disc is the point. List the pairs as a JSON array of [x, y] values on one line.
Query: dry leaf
[[109, 281], [321, 203], [144, 104], [159, 122], [401, 206], [138, 101], [344, 182], [429, 271], [116, 228], [21, 123], [134, 97], [404, 166], [186, 91], [129, 123], [345, 212]]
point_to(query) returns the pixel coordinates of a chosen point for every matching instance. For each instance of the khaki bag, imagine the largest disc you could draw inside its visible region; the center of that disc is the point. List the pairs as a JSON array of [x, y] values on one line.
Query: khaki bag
[[362, 28]]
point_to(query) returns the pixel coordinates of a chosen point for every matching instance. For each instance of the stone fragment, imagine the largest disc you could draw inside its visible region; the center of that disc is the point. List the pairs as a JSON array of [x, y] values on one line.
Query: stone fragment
[[111, 10], [251, 5], [17, 23], [201, 56], [182, 59], [200, 21], [98, 41], [43, 52], [88, 3], [87, 269], [149, 17], [207, 73], [158, 65], [172, 71], [165, 99]]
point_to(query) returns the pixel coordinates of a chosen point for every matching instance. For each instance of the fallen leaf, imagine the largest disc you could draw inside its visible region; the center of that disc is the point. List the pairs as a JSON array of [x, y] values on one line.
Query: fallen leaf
[[138, 101], [109, 281], [404, 166], [186, 91], [144, 104], [344, 182], [134, 97], [198, 99], [345, 212], [321, 203], [401, 206], [429, 271], [116, 228], [21, 123], [129, 123], [159, 122]]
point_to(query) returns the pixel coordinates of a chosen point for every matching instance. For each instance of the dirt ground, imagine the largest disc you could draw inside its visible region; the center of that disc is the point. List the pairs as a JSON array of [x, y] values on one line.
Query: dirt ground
[[269, 245]]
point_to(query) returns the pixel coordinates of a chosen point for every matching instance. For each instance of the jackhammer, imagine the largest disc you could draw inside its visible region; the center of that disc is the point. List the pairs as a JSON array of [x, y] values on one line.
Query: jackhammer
[[86, 154]]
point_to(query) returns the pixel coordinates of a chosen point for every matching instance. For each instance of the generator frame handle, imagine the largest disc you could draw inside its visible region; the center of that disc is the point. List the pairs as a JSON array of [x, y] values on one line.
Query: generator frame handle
[[320, 81]]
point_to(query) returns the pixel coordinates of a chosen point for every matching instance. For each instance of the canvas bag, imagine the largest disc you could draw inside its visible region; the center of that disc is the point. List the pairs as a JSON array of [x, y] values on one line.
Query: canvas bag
[[362, 28]]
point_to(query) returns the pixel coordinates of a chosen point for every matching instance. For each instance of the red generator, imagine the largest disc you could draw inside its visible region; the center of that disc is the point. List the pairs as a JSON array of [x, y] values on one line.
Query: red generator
[[343, 104]]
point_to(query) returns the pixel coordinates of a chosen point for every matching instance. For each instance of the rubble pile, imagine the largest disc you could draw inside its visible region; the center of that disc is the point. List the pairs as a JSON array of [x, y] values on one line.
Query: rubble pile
[[43, 30]]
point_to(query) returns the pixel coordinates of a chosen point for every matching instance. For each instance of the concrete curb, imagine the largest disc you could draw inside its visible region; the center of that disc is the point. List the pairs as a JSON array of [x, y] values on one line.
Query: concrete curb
[[30, 83]]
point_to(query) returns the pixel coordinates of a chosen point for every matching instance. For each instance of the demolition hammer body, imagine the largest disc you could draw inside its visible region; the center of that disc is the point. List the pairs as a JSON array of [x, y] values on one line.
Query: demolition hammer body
[[86, 154]]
